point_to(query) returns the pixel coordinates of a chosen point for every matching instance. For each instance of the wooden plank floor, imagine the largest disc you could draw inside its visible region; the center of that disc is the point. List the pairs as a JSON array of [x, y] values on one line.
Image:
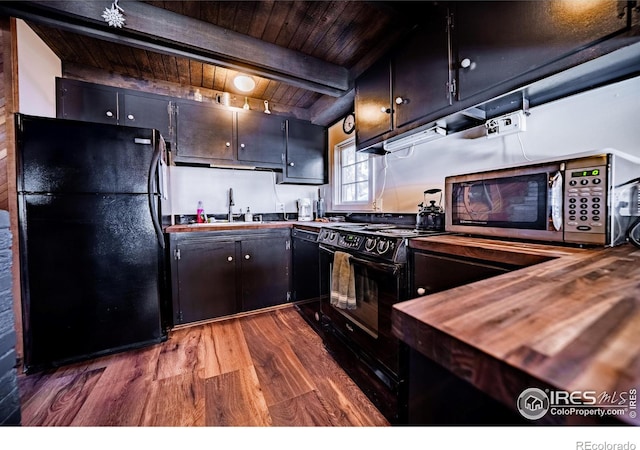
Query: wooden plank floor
[[266, 369]]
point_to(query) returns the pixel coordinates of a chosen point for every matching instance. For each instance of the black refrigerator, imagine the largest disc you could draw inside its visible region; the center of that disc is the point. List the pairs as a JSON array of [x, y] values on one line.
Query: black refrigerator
[[91, 242]]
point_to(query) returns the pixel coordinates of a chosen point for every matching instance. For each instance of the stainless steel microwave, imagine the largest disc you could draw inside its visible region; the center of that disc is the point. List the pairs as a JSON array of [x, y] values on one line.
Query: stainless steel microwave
[[580, 199]]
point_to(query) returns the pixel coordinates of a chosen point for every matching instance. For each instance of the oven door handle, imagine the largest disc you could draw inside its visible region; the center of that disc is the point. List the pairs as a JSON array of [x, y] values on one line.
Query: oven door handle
[[392, 268]]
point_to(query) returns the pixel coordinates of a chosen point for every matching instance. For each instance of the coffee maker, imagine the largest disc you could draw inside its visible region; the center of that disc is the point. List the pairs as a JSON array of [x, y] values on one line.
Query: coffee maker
[[305, 209]]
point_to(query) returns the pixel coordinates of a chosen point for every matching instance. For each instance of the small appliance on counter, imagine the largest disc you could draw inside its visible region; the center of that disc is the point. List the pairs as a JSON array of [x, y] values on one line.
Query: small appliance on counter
[[430, 217], [305, 210]]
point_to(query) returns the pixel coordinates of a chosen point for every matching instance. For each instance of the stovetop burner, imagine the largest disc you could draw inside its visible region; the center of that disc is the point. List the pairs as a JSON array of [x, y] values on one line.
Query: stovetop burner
[[385, 242]]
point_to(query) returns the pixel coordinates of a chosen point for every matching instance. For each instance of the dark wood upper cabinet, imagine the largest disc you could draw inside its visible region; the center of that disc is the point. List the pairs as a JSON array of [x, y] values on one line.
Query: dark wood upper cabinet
[[204, 133], [305, 161], [373, 106], [412, 82], [261, 138], [465, 54], [77, 100], [147, 111], [498, 41], [421, 78]]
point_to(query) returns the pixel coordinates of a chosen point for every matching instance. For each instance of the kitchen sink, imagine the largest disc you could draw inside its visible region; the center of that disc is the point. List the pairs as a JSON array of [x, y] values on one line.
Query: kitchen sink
[[219, 223]]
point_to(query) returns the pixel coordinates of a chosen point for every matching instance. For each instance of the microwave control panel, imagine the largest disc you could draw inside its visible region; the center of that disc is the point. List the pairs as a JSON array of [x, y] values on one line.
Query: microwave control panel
[[586, 199]]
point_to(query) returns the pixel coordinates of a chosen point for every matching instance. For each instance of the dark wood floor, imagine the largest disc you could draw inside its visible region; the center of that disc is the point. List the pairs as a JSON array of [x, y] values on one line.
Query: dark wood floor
[[266, 369]]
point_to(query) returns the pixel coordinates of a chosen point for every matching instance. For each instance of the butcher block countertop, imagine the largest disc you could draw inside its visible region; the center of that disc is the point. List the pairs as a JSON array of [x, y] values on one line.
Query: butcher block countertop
[[241, 226], [569, 323]]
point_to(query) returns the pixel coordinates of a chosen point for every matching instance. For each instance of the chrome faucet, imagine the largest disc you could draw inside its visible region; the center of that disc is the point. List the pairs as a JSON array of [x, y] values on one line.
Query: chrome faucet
[[231, 203]]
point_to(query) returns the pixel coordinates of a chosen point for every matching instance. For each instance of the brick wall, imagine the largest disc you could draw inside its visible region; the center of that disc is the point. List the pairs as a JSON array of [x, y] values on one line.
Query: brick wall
[[9, 398]]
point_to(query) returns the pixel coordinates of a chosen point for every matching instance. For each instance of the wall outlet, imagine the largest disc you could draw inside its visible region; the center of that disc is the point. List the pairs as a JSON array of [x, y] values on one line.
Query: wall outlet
[[279, 207], [507, 124]]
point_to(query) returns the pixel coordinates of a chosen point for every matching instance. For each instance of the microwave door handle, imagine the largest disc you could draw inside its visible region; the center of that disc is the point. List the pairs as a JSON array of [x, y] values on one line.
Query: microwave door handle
[[555, 186]]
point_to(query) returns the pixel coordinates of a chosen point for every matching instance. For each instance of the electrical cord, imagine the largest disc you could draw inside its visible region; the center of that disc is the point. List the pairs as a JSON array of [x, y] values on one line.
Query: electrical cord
[[522, 148]]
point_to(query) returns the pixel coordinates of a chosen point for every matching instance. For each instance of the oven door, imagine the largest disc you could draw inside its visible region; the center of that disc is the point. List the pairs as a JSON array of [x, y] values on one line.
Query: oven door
[[378, 286]]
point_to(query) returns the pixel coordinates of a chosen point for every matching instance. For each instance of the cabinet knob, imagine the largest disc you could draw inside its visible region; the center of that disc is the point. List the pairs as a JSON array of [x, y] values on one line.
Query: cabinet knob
[[291, 164], [109, 114], [227, 144], [130, 117], [385, 110], [401, 101], [467, 64], [229, 258], [241, 145], [247, 256], [421, 291]]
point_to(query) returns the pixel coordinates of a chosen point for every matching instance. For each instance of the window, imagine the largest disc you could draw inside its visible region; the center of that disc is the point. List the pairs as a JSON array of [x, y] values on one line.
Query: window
[[353, 178]]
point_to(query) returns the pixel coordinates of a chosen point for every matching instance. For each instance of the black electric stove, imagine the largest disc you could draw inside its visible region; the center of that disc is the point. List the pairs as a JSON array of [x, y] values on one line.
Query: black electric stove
[[360, 337]]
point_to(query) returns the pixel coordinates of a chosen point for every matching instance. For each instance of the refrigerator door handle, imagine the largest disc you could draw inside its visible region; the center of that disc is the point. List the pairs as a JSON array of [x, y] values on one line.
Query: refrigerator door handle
[[153, 173]]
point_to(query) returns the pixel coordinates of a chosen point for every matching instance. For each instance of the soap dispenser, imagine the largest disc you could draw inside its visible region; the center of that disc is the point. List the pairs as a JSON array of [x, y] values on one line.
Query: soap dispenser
[[248, 216], [201, 217]]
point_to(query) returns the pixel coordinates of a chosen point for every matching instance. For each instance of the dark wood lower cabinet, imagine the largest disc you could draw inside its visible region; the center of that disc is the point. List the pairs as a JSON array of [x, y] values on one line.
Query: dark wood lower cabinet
[[215, 274], [438, 397], [265, 270], [433, 273]]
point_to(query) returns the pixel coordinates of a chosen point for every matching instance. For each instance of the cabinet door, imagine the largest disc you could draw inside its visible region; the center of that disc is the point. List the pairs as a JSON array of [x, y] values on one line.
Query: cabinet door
[[435, 273], [206, 280], [305, 160], [265, 263], [146, 111], [502, 40], [85, 101], [204, 132], [421, 71], [373, 102], [261, 138]]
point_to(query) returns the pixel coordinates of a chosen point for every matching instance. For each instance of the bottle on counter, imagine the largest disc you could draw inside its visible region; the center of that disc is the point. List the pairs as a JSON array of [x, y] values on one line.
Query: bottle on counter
[[248, 216], [201, 217], [320, 208]]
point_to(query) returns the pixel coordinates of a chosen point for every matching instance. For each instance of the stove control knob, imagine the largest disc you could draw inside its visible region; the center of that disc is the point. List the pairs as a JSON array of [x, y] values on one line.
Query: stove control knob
[[383, 246], [370, 244]]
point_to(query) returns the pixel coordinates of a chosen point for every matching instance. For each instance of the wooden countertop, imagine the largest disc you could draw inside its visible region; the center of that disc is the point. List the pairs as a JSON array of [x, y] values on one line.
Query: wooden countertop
[[571, 323], [226, 226]]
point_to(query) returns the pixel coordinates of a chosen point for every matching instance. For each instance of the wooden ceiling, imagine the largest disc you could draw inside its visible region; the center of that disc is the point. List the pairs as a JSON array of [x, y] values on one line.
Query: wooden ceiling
[[304, 55]]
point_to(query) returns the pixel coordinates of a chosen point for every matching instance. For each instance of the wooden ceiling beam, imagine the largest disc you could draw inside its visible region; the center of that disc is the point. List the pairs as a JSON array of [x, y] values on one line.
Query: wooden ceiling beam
[[156, 29]]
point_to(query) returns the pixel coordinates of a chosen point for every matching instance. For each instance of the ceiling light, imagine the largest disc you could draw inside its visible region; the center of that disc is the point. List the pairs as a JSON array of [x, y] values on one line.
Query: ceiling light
[[244, 83]]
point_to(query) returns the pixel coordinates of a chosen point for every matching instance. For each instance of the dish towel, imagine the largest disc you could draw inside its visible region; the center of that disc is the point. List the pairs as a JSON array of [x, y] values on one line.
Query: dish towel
[[343, 282]]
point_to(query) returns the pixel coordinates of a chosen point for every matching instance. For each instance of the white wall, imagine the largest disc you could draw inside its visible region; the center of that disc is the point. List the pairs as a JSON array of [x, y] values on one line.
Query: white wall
[[37, 68], [601, 118], [254, 189]]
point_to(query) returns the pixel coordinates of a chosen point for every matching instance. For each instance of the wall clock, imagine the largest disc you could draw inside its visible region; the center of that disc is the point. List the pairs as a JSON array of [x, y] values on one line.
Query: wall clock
[[349, 123]]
